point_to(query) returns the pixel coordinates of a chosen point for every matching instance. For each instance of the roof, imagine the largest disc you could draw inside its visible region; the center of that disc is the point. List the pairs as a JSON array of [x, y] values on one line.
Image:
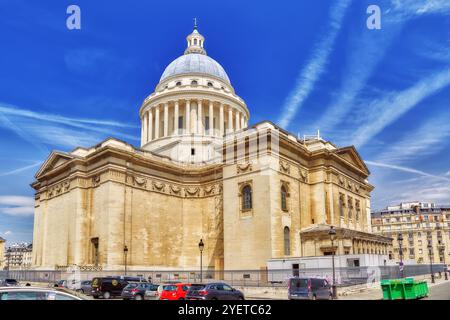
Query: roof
[[195, 63]]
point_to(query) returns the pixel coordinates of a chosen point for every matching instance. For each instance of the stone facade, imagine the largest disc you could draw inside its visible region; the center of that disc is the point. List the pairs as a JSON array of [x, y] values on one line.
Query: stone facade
[[2, 253], [251, 193], [420, 225]]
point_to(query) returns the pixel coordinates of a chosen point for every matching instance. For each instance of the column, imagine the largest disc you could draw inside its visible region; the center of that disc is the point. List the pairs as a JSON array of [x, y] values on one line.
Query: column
[[211, 118], [175, 118], [200, 116], [150, 125], [238, 121], [221, 120], [188, 116], [246, 122], [142, 133], [156, 122], [146, 127], [166, 119], [242, 122], [230, 120]]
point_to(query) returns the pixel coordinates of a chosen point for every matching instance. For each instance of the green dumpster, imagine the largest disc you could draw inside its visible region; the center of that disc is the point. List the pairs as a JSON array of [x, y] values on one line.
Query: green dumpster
[[396, 289]]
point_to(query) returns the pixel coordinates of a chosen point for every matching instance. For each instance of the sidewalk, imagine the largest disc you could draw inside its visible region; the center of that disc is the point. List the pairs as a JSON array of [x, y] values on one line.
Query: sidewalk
[[373, 292]]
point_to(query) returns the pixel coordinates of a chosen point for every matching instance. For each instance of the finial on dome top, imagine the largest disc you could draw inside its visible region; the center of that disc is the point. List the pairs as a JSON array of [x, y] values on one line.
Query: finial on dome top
[[195, 23], [195, 41]]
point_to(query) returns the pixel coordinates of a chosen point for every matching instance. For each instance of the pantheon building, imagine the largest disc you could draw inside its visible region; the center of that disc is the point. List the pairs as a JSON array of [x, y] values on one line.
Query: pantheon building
[[250, 192]]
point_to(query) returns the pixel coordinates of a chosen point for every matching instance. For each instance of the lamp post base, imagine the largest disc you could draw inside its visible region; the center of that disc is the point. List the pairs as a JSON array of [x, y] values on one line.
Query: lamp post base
[[334, 291], [432, 278]]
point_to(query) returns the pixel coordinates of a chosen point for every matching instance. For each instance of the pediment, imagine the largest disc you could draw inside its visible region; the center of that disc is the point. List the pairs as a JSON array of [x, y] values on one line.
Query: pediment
[[352, 156], [56, 159]]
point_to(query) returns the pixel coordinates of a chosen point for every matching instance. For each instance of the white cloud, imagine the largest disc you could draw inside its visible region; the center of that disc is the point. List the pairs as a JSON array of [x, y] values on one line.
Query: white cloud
[[430, 138], [405, 169], [381, 113], [421, 7], [7, 232], [40, 129], [315, 66], [18, 170], [447, 174], [17, 205]]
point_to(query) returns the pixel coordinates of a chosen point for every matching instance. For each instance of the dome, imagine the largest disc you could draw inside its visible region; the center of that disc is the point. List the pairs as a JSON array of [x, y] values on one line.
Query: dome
[[195, 63]]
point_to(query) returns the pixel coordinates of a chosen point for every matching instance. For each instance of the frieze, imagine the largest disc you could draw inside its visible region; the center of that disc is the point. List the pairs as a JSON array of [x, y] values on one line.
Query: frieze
[[140, 181], [58, 189], [285, 167], [243, 167]]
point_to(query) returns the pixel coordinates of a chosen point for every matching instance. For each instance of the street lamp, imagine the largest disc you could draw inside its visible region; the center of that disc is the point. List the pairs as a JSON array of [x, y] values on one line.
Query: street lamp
[[332, 234], [125, 252], [201, 246], [430, 253], [441, 249], [400, 242]]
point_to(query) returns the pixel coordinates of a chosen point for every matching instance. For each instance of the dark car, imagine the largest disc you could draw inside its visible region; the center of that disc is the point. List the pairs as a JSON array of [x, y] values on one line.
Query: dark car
[[213, 291], [9, 283], [309, 288], [136, 290], [85, 287], [107, 287]]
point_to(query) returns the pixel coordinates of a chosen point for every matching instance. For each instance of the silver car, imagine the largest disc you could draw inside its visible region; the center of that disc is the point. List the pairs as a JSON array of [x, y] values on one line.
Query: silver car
[[34, 293]]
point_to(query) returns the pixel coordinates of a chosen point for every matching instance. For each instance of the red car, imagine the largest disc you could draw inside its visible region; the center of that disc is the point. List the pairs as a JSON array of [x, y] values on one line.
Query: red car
[[176, 291]]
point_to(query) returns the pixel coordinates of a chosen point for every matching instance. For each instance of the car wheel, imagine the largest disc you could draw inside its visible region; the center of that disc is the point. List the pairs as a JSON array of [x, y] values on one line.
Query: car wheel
[[181, 299], [214, 298], [241, 298], [106, 295], [95, 297], [138, 297]]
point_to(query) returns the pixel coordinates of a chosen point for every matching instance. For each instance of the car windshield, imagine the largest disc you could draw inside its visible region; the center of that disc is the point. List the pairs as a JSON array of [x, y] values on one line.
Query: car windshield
[[299, 283], [132, 285], [11, 281], [170, 288]]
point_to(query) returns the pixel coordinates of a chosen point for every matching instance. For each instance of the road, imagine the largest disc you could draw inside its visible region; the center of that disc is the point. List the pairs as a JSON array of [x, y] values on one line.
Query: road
[[440, 292]]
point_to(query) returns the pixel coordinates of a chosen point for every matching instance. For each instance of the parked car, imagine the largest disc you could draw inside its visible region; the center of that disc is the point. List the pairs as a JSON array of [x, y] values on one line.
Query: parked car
[[174, 291], [107, 287], [214, 291], [85, 287], [9, 283], [309, 288], [152, 292], [35, 293], [136, 290]]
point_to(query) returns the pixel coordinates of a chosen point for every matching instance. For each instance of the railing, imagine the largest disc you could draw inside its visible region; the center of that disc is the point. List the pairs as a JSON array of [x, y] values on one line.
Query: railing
[[251, 278]]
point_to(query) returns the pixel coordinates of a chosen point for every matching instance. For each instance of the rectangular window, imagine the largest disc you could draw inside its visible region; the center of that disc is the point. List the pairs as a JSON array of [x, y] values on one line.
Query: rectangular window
[[192, 152]]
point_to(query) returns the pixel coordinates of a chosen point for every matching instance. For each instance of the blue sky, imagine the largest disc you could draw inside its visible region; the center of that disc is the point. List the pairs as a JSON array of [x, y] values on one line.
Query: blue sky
[[305, 65]]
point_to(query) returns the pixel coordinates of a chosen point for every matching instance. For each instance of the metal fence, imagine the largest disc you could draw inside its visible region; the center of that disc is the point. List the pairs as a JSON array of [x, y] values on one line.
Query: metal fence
[[252, 278]]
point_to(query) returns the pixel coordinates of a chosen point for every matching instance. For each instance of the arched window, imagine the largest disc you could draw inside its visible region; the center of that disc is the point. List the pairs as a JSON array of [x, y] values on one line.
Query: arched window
[[283, 198], [287, 241], [195, 41], [210, 84], [178, 83], [194, 82], [246, 198]]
